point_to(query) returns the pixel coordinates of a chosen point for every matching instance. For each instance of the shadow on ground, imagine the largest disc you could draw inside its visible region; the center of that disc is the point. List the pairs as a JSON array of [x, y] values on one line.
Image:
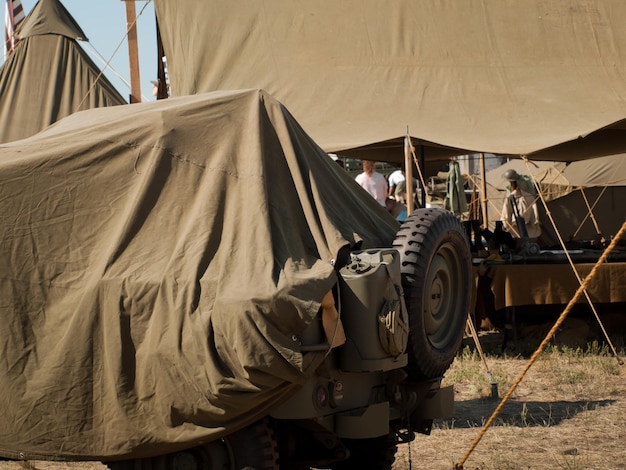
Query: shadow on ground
[[475, 413]]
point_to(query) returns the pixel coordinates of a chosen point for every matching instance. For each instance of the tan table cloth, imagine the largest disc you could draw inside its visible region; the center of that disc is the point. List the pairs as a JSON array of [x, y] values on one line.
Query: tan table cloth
[[537, 284]]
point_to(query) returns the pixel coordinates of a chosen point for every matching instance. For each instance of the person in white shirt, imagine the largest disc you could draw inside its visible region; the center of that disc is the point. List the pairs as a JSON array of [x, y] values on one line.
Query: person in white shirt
[[394, 179], [373, 182]]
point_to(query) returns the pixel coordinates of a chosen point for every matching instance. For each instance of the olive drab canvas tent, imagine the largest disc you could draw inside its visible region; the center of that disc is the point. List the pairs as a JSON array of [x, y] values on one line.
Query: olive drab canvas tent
[[541, 78], [159, 261], [584, 198], [594, 205], [49, 76]]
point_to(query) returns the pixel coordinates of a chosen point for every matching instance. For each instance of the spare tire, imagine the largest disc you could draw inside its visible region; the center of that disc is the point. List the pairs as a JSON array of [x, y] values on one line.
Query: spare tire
[[436, 278]]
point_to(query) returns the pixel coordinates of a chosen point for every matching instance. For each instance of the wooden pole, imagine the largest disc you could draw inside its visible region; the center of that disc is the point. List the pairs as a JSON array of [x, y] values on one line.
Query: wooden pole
[[483, 192], [408, 175], [133, 54], [423, 167]]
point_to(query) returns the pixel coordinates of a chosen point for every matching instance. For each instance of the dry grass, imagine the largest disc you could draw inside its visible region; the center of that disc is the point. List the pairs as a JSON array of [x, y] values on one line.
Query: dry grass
[[569, 412]]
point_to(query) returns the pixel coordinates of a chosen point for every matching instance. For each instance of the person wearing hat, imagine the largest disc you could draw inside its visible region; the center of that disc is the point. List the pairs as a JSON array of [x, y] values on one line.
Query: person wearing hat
[[522, 205]]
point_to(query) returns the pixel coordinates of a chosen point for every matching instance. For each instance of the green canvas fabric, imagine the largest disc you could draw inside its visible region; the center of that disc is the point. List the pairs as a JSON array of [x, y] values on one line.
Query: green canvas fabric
[[158, 262]]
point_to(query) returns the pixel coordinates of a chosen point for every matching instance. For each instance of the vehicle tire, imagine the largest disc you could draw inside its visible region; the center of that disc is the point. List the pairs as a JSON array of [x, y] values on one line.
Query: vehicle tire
[[377, 453], [251, 448], [254, 447], [436, 271]]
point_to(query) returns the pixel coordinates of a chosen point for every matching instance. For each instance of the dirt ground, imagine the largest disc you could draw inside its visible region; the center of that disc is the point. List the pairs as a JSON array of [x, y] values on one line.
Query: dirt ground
[[568, 411]]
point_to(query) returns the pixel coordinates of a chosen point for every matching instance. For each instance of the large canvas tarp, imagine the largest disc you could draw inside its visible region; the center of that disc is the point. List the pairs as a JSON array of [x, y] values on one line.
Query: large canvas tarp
[[49, 76], [541, 78], [158, 262]]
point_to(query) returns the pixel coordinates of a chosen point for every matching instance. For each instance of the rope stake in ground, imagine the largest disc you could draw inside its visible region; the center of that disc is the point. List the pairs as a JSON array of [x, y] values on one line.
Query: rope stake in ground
[[544, 343], [494, 385]]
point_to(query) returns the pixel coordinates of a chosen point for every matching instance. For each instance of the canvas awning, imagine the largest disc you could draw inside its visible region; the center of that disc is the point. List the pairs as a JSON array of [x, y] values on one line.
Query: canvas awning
[[498, 76]]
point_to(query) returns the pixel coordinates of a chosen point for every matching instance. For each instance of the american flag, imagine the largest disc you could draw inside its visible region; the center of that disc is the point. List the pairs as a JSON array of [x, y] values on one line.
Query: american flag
[[13, 16]]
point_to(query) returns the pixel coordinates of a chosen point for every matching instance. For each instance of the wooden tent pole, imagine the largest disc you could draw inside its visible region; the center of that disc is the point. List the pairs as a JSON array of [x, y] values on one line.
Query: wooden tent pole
[[483, 191], [133, 54], [408, 175], [423, 180]]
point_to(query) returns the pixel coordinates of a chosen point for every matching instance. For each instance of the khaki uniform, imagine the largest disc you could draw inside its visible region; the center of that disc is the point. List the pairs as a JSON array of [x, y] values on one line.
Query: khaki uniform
[[527, 207]]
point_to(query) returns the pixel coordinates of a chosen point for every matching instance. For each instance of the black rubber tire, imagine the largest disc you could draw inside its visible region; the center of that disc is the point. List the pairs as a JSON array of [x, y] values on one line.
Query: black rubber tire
[[436, 278], [378, 453], [252, 448]]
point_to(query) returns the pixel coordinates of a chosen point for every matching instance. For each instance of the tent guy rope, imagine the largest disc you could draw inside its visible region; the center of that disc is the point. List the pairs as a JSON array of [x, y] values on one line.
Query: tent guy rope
[[542, 346], [573, 266], [108, 62]]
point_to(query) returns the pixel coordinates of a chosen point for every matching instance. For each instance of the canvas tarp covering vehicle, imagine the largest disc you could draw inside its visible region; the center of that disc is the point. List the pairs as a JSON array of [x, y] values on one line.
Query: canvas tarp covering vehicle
[[158, 262], [541, 78], [49, 76]]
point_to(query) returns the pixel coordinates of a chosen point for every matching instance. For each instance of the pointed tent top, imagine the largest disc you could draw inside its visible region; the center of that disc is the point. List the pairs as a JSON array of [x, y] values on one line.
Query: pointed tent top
[[51, 17], [30, 98]]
